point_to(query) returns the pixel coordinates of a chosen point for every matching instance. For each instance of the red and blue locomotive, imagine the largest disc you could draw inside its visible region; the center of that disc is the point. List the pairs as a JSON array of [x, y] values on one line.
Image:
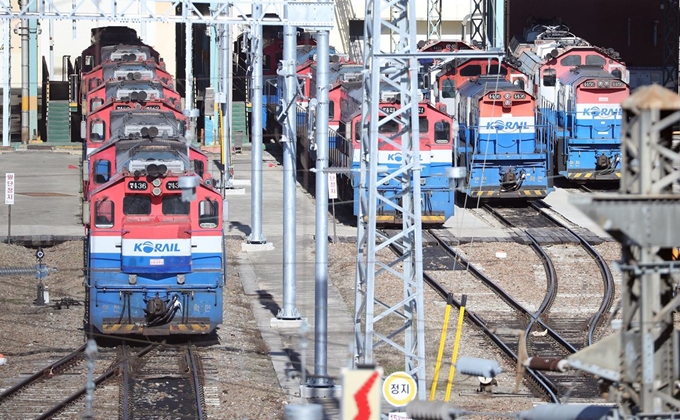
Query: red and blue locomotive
[[155, 261]]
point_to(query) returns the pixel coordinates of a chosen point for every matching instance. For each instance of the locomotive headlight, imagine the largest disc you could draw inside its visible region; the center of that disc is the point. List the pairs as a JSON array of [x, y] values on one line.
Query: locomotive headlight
[[156, 191], [507, 96], [181, 278], [507, 102], [132, 278], [156, 182]]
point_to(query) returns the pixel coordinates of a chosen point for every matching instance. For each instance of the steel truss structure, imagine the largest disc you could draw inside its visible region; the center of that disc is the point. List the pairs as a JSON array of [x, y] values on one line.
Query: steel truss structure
[[311, 15], [374, 319], [399, 71], [645, 218], [434, 19], [671, 27]]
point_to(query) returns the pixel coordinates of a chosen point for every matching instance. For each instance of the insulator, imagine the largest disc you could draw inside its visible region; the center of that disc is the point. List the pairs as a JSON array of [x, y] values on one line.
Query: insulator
[[566, 412], [478, 367], [17, 271], [153, 132], [137, 75], [431, 410], [142, 96], [144, 131], [134, 96]]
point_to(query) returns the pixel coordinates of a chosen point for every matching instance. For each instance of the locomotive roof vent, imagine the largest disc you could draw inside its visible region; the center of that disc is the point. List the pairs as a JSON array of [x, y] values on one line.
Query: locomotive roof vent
[[351, 77], [136, 95], [156, 167], [144, 130], [392, 97]]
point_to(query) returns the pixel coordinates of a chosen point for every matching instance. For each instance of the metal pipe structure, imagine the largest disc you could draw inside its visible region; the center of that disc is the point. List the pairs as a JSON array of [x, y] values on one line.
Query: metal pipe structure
[[256, 236], [32, 74], [320, 377], [225, 141], [6, 86], [189, 76], [289, 77], [25, 124], [214, 80]]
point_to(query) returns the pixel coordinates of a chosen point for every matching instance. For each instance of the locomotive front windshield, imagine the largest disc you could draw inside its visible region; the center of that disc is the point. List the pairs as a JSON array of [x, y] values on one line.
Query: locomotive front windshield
[[173, 205], [139, 205]]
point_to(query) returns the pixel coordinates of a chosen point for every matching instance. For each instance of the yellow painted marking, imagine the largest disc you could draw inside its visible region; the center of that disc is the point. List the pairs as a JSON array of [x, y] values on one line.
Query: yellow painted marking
[[618, 174], [676, 254], [589, 174], [538, 192], [432, 219]]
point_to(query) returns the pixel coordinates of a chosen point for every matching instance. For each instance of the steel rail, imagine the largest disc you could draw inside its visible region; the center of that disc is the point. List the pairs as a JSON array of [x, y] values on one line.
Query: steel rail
[[478, 322], [504, 295], [608, 299], [538, 377], [192, 362], [113, 370], [79, 352]]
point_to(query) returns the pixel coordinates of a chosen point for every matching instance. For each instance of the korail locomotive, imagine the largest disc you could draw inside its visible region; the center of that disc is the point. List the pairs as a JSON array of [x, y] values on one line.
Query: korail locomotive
[[155, 261]]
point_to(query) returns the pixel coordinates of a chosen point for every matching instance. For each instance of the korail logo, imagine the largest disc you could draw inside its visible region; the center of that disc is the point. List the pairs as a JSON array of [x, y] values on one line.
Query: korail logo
[[148, 247], [597, 112], [394, 157], [500, 125]]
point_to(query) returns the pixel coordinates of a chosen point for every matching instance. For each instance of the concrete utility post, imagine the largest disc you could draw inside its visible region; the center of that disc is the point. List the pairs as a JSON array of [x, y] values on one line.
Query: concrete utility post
[[256, 236], [320, 381], [288, 105], [6, 81]]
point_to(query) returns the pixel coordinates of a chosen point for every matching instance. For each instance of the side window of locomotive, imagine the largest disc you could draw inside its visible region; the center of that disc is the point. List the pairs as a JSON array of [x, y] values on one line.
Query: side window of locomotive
[[102, 171], [97, 131], [357, 131], [617, 73], [422, 125], [95, 103], [571, 60], [331, 110], [173, 204], [549, 77], [199, 167], [595, 60], [475, 70], [207, 214], [448, 88], [92, 83], [103, 213], [442, 132], [137, 205]]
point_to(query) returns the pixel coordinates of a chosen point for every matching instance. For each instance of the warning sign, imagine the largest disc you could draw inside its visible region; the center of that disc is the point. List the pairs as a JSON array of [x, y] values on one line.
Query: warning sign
[[361, 394], [399, 389], [9, 188], [332, 186]]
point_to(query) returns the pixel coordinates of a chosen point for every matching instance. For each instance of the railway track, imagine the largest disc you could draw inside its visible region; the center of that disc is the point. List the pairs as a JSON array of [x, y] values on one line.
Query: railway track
[[539, 215], [542, 339], [154, 382]]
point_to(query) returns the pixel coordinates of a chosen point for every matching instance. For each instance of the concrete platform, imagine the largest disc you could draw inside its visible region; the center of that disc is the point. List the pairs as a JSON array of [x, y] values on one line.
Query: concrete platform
[[46, 206]]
